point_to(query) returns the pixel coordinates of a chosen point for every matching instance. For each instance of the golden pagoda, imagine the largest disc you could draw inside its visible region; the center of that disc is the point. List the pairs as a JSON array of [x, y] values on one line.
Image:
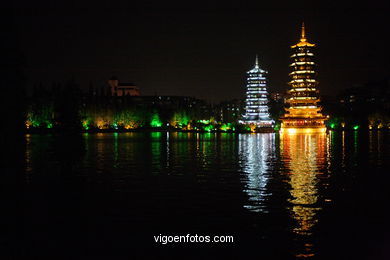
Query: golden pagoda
[[303, 111]]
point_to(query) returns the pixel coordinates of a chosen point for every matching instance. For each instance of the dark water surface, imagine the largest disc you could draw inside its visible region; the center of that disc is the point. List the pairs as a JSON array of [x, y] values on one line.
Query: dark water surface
[[320, 196]]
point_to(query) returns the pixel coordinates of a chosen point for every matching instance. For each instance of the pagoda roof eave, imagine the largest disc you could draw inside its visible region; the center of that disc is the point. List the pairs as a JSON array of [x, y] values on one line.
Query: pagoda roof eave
[[303, 44], [256, 70]]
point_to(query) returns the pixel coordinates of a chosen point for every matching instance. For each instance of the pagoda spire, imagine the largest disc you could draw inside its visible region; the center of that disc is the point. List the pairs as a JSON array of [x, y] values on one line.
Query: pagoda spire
[[303, 34], [304, 110], [257, 62], [256, 102], [303, 41]]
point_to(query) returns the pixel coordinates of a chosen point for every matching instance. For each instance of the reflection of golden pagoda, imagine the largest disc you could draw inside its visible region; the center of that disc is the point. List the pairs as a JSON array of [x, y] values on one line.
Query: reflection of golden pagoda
[[303, 110], [304, 156]]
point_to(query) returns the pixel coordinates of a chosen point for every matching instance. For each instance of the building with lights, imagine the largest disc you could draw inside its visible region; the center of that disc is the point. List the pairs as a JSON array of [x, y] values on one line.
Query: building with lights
[[303, 110], [256, 102], [122, 89], [229, 111]]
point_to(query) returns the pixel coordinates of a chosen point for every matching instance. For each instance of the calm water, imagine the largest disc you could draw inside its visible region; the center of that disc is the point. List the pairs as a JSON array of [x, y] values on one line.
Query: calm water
[[320, 196]]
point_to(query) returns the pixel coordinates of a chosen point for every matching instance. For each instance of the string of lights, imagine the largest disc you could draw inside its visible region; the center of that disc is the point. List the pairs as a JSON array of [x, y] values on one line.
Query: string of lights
[[304, 110], [256, 103]]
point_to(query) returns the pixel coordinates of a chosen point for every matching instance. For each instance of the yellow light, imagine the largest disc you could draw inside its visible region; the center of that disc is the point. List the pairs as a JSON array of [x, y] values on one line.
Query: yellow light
[[301, 71], [303, 89], [291, 130], [100, 123], [302, 63], [303, 130]]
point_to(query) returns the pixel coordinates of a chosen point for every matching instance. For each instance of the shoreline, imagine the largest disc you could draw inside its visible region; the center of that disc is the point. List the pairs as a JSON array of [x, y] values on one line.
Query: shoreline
[[149, 130]]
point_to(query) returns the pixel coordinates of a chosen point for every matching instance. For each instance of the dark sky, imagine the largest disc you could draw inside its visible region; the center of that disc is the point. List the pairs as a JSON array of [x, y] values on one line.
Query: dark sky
[[199, 50]]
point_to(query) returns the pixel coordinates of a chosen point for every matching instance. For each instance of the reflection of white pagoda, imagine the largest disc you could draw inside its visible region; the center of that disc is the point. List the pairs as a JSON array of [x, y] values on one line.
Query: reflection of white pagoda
[[254, 151], [256, 103]]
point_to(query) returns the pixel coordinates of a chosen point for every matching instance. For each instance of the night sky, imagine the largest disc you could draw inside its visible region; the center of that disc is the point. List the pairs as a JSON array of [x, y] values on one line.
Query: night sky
[[199, 50]]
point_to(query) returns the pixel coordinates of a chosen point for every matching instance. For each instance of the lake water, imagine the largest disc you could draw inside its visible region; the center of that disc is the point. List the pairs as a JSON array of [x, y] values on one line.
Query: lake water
[[320, 196]]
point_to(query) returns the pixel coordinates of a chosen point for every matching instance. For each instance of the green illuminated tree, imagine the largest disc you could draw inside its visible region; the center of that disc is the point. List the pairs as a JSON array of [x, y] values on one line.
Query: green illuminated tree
[[155, 120], [179, 119]]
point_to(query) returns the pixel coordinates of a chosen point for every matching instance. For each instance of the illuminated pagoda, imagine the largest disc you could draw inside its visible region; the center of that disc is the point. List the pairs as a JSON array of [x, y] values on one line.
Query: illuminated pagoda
[[303, 96], [256, 102]]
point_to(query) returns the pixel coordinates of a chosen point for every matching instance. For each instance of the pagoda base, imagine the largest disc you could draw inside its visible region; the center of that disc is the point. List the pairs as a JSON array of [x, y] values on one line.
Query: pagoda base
[[303, 125], [264, 126], [303, 130], [265, 129]]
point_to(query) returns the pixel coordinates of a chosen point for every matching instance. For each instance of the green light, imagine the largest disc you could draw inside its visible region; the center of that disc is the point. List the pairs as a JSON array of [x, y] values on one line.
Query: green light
[[156, 135], [225, 127], [203, 121], [332, 125], [128, 119], [183, 119], [35, 123], [40, 116], [356, 127], [179, 120], [85, 124], [155, 121], [208, 128]]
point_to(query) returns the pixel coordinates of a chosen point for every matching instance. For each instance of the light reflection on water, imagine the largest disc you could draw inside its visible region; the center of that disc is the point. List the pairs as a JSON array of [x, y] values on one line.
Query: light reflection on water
[[305, 158], [240, 175], [254, 152], [303, 155], [377, 150]]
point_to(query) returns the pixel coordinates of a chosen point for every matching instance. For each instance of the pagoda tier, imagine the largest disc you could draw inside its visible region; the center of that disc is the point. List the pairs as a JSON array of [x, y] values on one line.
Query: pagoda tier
[[256, 102], [303, 96]]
